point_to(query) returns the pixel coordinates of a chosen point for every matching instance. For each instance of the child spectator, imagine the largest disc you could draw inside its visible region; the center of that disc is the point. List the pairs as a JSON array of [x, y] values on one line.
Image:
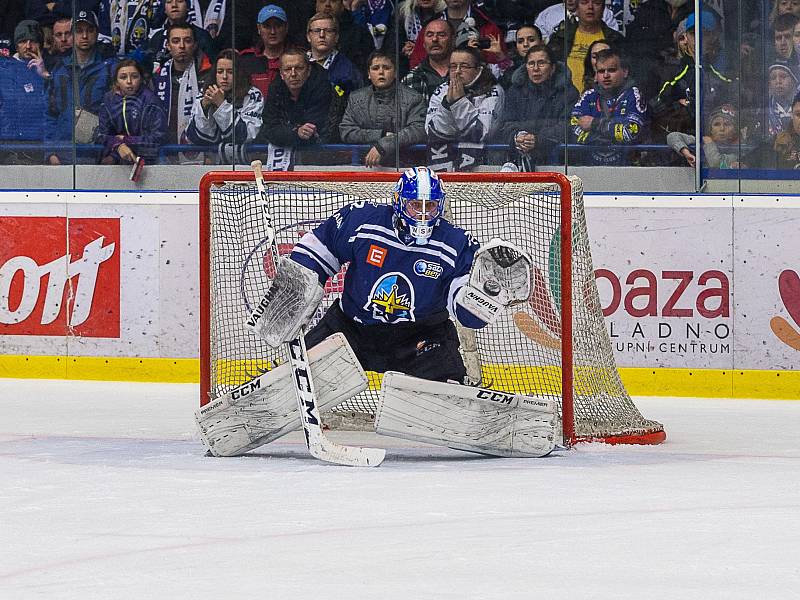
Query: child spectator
[[132, 119], [177, 11], [723, 131], [228, 112], [782, 89], [389, 116], [782, 151]]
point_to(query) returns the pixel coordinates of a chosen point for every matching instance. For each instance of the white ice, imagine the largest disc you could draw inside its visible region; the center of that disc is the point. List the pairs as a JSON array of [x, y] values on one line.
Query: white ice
[[106, 494]]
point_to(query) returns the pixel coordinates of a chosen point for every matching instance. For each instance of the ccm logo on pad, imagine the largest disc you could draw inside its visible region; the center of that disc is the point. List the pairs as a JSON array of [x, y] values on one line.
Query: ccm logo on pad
[[59, 276], [376, 255]]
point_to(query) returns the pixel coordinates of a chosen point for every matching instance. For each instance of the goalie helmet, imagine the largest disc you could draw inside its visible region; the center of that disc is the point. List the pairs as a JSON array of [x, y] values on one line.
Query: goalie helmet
[[419, 202]]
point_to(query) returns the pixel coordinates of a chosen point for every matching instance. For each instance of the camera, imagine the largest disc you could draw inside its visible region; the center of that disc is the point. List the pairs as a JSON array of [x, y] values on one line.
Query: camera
[[484, 43]]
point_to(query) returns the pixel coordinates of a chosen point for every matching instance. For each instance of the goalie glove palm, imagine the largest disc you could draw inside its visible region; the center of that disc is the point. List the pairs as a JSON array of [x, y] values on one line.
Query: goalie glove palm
[[502, 271]]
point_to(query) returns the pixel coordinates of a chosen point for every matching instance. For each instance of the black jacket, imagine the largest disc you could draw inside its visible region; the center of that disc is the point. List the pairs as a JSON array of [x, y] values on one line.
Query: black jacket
[[283, 115], [541, 109]]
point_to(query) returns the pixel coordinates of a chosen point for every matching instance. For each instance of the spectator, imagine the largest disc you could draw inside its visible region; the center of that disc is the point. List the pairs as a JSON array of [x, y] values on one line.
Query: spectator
[[28, 43], [674, 107], [262, 62], [723, 131], [434, 69], [590, 62], [47, 11], [356, 41], [22, 104], [406, 27], [229, 111], [552, 17], [176, 83], [77, 88], [177, 11], [783, 7], [783, 42], [613, 114], [132, 119], [526, 37], [323, 36], [62, 44], [650, 39], [537, 108], [467, 13], [572, 39], [782, 89], [296, 113], [782, 151], [389, 116], [463, 114]]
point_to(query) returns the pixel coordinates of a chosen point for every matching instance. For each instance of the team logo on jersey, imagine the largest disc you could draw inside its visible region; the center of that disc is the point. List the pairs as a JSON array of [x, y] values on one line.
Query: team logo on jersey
[[425, 268], [392, 299], [376, 255]]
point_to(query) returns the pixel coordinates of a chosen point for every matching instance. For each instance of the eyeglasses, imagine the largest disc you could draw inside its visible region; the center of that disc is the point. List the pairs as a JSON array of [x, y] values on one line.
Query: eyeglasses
[[538, 64], [462, 67], [320, 30]]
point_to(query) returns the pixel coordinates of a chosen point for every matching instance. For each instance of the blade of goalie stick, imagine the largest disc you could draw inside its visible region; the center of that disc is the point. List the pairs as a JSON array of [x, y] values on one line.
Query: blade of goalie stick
[[319, 446]]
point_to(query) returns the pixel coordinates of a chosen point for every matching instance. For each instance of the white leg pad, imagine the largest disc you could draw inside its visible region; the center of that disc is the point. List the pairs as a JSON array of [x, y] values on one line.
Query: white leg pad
[[265, 408], [466, 418]]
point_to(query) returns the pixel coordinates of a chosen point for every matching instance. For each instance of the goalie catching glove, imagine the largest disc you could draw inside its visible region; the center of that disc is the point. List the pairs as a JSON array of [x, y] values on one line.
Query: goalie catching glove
[[288, 305], [500, 277]]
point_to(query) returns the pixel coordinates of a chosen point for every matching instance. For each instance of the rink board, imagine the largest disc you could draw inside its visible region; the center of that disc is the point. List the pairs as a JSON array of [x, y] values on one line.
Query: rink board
[[700, 293]]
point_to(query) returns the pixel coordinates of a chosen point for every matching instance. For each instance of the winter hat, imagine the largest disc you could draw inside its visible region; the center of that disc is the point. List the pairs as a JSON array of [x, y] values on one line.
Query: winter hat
[[726, 111], [465, 32], [783, 67], [27, 30]]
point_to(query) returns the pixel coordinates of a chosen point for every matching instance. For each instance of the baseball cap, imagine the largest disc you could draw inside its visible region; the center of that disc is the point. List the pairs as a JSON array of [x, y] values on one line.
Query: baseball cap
[[270, 11], [707, 18], [27, 30], [87, 16]]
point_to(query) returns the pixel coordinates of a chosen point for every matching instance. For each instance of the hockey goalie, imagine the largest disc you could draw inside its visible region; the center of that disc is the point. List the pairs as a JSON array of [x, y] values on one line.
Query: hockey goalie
[[411, 273]]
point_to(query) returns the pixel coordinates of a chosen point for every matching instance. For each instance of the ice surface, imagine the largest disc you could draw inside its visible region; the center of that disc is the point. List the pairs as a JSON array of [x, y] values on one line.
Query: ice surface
[[106, 494]]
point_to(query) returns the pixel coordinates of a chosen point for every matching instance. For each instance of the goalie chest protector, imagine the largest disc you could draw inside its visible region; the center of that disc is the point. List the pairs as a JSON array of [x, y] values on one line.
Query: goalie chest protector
[[390, 279]]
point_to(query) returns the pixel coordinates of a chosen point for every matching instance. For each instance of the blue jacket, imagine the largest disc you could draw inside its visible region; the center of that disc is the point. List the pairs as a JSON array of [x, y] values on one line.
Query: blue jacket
[[620, 118], [94, 80], [22, 102], [140, 118]]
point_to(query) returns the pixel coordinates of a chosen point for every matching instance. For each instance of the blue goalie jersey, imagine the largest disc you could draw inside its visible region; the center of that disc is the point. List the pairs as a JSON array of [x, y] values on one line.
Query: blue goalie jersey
[[389, 278]]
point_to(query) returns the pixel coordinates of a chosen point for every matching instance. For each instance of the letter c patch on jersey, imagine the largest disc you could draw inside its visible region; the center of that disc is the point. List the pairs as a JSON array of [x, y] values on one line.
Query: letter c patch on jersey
[[376, 255]]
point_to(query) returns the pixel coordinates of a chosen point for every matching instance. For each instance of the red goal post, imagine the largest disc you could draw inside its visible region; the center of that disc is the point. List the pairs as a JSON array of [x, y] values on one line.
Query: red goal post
[[544, 209]]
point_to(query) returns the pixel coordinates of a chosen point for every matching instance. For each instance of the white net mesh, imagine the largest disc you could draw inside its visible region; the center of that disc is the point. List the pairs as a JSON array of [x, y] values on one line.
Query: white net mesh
[[521, 352]]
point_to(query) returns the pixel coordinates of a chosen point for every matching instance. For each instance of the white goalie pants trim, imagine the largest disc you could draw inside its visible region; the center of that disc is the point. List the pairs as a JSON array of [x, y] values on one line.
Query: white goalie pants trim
[[466, 418], [265, 408]]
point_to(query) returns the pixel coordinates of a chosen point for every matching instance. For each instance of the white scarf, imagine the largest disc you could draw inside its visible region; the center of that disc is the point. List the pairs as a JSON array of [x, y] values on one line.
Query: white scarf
[[413, 26], [133, 15], [327, 62], [187, 91], [278, 158], [212, 20]]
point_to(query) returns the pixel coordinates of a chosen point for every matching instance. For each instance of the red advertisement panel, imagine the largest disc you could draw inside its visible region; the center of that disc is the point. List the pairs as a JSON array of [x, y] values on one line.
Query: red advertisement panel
[[59, 276]]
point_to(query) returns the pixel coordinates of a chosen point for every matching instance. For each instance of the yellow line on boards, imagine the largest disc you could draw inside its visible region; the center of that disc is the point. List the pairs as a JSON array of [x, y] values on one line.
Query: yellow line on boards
[[703, 383]]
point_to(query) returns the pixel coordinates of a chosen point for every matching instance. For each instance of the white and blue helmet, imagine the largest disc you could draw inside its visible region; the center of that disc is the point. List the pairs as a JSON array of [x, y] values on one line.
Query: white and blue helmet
[[419, 202]]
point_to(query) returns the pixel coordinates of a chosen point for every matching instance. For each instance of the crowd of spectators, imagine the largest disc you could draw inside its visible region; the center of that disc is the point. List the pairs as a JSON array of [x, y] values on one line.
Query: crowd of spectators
[[452, 83]]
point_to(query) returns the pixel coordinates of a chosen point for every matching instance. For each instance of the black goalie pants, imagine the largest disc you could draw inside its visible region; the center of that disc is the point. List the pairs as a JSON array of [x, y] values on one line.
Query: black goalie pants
[[427, 348]]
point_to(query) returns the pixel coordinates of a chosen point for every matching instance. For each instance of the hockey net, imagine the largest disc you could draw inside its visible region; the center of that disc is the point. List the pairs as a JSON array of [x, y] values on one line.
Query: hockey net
[[555, 345]]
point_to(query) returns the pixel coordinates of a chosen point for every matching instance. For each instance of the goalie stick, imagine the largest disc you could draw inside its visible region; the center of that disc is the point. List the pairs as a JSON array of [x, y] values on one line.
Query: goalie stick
[[318, 444]]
